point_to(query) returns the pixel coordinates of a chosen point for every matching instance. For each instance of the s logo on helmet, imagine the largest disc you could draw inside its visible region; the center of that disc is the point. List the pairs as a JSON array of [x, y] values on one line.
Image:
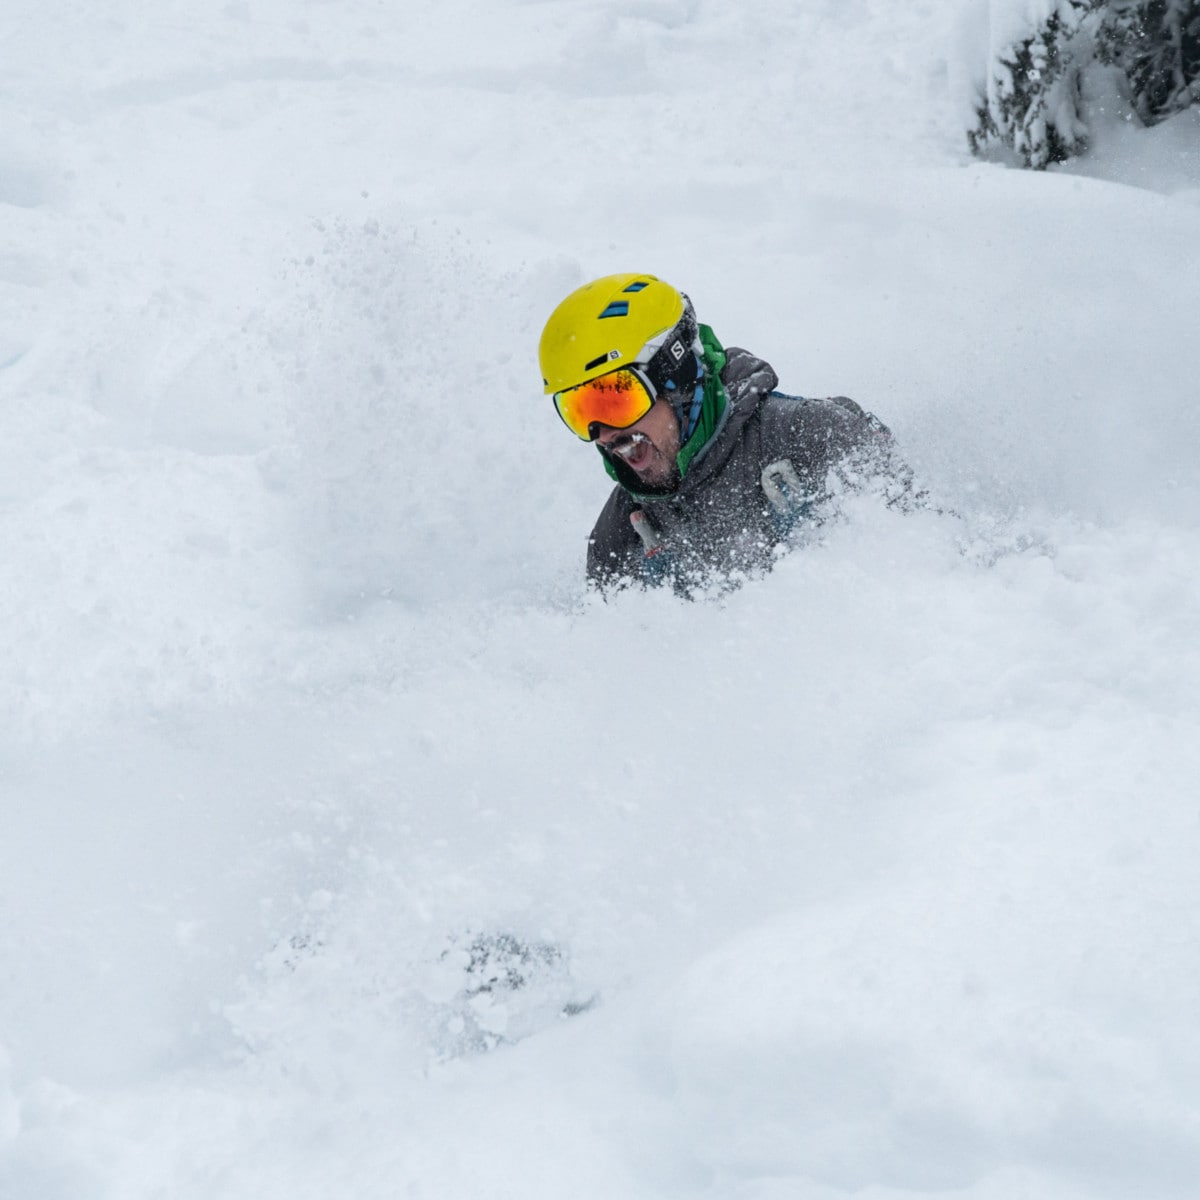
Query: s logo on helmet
[[677, 351]]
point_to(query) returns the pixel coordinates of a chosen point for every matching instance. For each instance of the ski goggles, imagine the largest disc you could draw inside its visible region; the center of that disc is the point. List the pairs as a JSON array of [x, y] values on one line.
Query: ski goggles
[[618, 399]]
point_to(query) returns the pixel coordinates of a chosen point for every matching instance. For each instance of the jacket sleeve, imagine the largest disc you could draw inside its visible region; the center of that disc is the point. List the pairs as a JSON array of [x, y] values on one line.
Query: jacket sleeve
[[614, 552]]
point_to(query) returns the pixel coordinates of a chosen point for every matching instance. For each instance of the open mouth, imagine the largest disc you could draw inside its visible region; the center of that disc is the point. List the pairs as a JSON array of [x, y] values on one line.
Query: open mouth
[[632, 448]]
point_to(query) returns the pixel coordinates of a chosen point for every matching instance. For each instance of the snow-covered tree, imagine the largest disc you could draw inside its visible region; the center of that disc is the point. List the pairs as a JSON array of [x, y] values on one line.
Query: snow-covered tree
[[1032, 100], [1157, 44], [1031, 103]]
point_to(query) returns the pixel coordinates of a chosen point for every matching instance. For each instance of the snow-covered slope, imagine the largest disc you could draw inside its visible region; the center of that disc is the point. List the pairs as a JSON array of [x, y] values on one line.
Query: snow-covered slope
[[351, 849]]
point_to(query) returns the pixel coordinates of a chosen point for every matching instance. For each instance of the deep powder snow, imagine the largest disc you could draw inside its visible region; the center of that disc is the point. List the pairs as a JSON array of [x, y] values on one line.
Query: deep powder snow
[[351, 849]]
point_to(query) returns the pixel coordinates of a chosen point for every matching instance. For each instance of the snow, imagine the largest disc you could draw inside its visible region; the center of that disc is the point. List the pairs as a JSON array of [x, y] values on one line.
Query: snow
[[352, 849]]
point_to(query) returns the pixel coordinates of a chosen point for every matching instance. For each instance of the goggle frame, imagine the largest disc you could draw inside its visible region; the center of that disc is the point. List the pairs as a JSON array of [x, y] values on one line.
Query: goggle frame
[[597, 416]]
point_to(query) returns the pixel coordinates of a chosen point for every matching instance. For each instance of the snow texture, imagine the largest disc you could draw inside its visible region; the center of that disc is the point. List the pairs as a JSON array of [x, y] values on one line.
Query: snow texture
[[352, 849]]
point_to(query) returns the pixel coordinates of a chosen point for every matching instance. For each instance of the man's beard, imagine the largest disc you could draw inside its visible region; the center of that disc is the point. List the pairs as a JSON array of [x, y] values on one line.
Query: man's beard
[[631, 481]]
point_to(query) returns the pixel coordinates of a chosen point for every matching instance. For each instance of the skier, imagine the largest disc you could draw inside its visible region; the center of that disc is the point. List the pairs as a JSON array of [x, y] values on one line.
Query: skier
[[715, 469]]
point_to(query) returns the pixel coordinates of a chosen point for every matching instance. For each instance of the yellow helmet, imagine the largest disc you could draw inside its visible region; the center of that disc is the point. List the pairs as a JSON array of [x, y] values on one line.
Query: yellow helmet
[[617, 321]]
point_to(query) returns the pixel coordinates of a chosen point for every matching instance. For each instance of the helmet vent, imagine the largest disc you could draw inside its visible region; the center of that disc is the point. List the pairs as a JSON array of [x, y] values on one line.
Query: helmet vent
[[641, 285], [618, 308]]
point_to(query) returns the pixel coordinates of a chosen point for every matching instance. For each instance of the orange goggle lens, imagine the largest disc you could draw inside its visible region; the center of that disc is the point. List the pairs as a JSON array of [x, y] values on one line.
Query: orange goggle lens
[[618, 399]]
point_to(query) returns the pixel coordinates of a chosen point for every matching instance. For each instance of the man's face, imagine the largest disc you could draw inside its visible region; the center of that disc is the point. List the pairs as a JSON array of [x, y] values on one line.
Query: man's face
[[649, 447]]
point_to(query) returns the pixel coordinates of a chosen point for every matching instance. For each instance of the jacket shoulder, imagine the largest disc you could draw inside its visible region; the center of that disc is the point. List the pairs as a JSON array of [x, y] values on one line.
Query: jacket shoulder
[[819, 432]]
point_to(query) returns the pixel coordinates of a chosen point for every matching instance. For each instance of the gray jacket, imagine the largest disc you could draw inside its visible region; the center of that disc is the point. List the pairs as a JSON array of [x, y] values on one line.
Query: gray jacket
[[771, 466]]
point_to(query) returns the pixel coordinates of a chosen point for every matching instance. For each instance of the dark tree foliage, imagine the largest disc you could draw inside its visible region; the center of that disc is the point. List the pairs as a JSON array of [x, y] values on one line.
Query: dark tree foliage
[[1157, 44], [1033, 101]]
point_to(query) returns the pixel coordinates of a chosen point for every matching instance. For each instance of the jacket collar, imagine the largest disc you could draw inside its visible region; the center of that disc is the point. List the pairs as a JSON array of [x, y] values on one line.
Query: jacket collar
[[748, 381]]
